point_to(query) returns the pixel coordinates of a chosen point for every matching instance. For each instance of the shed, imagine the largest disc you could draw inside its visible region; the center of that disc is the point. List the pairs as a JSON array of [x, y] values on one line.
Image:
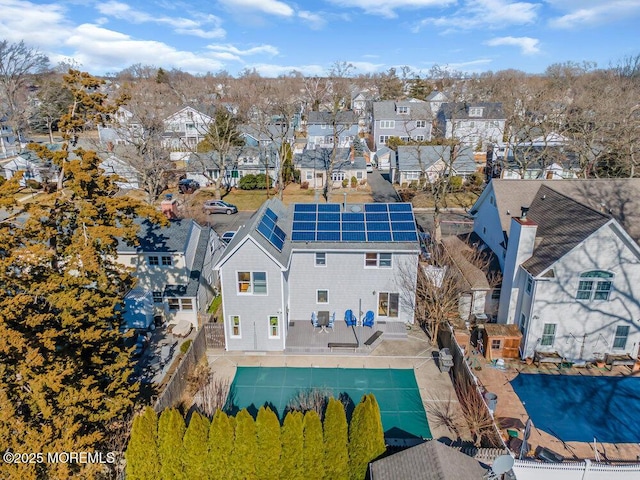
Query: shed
[[461, 333], [501, 341]]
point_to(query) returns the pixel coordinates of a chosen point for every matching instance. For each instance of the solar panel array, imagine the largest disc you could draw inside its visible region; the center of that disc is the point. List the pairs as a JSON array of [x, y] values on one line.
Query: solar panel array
[[270, 230], [379, 222]]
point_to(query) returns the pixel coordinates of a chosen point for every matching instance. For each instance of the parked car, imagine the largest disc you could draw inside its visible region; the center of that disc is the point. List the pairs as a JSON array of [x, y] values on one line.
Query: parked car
[[219, 206], [369, 168], [227, 236], [188, 185]]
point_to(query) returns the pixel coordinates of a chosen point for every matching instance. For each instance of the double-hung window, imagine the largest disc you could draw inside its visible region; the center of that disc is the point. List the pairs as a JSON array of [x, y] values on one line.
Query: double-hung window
[[274, 329], [548, 335], [321, 259], [252, 283], [235, 325], [380, 260], [387, 124], [421, 123], [166, 261], [595, 285], [620, 340], [153, 260]]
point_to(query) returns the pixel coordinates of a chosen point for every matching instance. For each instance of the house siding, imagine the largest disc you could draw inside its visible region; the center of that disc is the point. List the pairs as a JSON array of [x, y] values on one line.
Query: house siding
[[254, 310], [591, 322], [348, 283], [488, 227]]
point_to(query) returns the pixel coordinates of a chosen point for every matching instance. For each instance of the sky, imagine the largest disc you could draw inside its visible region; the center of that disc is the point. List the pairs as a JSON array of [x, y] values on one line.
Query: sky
[[276, 37]]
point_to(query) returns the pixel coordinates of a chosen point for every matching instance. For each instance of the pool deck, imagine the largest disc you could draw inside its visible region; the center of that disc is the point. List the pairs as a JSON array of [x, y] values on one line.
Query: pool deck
[[415, 352], [510, 410]]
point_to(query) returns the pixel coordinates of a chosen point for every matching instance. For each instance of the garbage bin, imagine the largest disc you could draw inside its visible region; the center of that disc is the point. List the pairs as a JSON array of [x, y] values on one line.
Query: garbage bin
[[492, 401], [445, 360]]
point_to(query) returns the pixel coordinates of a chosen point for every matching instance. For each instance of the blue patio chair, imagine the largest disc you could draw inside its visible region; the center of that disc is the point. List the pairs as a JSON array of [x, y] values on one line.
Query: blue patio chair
[[368, 319], [350, 318], [332, 320], [314, 320]]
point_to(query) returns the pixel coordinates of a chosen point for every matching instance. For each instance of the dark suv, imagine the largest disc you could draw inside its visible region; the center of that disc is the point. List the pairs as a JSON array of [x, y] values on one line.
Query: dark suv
[[188, 185]]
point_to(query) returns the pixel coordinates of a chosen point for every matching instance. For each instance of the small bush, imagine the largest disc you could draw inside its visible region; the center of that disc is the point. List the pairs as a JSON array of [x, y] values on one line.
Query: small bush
[[455, 183], [248, 182], [185, 346], [345, 183], [477, 179], [304, 186], [354, 182], [34, 184]]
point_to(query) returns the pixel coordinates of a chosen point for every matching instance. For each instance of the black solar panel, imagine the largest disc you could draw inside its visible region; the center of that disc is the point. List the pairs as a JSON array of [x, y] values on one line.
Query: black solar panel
[[329, 207], [269, 230], [400, 207], [271, 214], [375, 207], [305, 207]]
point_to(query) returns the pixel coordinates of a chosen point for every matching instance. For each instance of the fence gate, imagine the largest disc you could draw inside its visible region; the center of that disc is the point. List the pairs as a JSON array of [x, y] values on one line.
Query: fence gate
[[214, 335]]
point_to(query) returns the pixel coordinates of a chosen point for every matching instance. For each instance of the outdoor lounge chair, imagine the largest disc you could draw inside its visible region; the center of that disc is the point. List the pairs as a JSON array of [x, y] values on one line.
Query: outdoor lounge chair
[[368, 319], [350, 318], [332, 320], [314, 320]]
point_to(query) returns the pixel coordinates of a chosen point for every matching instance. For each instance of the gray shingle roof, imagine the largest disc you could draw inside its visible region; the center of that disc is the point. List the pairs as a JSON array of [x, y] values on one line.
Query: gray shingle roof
[[341, 118], [155, 238], [460, 110], [411, 157], [388, 110], [319, 158], [431, 460]]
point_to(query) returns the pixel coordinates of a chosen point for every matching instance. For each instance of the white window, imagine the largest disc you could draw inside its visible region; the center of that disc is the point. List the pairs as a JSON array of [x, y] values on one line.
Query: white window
[[523, 322], [153, 260], [403, 110], [387, 124], [421, 124], [166, 261], [620, 340], [274, 327], [595, 285], [381, 260], [252, 283], [174, 304], [186, 304], [411, 176], [322, 296], [475, 111], [235, 325], [321, 259], [359, 175], [529, 285], [548, 335], [337, 176], [388, 304], [190, 126], [384, 138], [420, 138], [309, 176]]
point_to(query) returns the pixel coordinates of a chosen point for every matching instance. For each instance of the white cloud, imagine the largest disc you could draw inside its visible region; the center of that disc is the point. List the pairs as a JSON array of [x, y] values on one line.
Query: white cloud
[[527, 45], [387, 8], [367, 67], [270, 70], [203, 25], [272, 7], [46, 24], [484, 13], [595, 13], [314, 20], [262, 49]]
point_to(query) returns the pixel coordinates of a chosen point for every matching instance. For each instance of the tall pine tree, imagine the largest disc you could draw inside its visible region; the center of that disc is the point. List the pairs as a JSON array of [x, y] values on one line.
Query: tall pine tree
[[196, 447], [366, 438], [313, 446], [64, 370], [269, 445], [141, 455], [221, 435], [243, 460], [171, 431], [336, 440], [292, 444]]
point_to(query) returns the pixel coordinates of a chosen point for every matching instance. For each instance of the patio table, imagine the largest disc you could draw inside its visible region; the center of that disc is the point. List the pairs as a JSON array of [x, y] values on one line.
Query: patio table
[[323, 320]]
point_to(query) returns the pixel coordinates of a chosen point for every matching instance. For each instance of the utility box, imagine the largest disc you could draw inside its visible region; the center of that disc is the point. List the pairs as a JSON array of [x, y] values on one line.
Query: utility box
[[445, 360], [492, 401]]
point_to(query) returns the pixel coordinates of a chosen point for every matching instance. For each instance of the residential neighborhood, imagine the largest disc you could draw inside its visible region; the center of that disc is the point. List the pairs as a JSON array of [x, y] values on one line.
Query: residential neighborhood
[[203, 274]]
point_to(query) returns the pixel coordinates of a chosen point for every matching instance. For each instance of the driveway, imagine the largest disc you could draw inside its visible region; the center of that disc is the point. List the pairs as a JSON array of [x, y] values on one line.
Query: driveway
[[381, 189]]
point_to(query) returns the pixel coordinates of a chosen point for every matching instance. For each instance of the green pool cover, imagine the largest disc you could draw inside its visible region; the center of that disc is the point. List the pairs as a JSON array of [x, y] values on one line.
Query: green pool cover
[[396, 391]]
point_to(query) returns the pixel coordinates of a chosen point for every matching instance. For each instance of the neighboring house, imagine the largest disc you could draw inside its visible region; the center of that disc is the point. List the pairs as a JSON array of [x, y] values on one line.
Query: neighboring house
[[270, 135], [8, 146], [241, 161], [435, 100], [407, 119], [33, 168], [186, 128], [122, 129], [129, 177], [430, 460], [174, 263], [290, 261], [474, 124], [570, 259], [322, 126], [384, 158], [430, 162], [314, 167]]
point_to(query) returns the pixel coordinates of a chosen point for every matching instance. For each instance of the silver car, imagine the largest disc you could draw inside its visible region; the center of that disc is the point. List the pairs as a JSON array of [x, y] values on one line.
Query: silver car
[[218, 206]]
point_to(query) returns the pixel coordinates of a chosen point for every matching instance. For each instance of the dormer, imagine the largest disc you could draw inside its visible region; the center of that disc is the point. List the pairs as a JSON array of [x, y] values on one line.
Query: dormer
[[402, 110], [475, 111]]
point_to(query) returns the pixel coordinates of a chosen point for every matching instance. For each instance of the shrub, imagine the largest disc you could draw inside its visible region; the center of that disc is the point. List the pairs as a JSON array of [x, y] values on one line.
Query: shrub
[[354, 182], [195, 447], [455, 183], [248, 182], [262, 179], [269, 444], [171, 430], [345, 183], [477, 179], [304, 185], [336, 440], [185, 346], [142, 451], [34, 184]]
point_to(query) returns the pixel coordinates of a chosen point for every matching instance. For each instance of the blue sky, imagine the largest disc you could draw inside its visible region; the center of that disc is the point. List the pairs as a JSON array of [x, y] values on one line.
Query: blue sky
[[278, 36]]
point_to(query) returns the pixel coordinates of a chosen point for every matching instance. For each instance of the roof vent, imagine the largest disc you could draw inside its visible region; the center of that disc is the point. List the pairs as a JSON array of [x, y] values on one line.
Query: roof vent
[[523, 212], [356, 208]]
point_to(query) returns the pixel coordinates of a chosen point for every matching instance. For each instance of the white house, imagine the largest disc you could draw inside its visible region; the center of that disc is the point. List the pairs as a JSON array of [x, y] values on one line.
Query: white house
[[314, 167], [173, 264], [570, 261], [289, 261], [128, 176], [407, 119], [186, 128], [32, 168], [472, 123]]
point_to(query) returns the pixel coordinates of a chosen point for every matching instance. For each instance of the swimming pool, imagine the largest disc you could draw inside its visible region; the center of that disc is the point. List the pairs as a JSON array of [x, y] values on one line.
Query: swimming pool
[[396, 391], [577, 408]]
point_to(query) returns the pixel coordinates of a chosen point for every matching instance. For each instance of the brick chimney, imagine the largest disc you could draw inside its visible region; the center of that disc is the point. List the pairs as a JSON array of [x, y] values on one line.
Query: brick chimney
[[169, 207]]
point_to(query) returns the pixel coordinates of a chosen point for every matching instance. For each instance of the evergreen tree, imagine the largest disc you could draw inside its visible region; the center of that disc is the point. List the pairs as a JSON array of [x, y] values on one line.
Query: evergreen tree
[[196, 447], [313, 446], [171, 431], [336, 440], [64, 369], [243, 460], [142, 451], [269, 445], [292, 442], [366, 438], [221, 435]]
